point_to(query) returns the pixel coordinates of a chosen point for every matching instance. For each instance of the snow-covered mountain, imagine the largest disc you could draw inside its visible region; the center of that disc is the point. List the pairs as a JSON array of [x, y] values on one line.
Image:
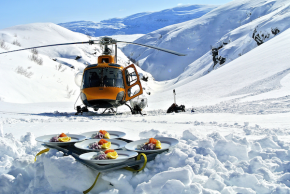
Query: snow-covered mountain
[[141, 23], [257, 82], [212, 40]]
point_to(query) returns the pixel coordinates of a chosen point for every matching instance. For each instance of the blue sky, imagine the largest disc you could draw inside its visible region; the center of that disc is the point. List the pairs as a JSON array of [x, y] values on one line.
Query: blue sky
[[17, 12]]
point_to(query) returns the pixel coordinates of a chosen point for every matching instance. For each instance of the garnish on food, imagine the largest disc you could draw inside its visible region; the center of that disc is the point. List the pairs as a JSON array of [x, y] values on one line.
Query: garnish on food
[[152, 144], [108, 154], [102, 144], [101, 134], [60, 138]]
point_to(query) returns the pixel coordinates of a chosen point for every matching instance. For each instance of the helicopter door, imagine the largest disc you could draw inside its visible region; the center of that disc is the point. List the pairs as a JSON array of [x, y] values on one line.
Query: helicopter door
[[132, 82]]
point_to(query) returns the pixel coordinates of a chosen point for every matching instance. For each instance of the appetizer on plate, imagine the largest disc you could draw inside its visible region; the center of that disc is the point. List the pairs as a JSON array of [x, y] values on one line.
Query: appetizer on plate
[[152, 144], [102, 144], [60, 138], [108, 154], [101, 134]]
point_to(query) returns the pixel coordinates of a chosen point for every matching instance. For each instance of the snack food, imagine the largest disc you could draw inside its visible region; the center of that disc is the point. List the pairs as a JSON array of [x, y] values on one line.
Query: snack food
[[108, 154], [102, 144], [101, 134], [152, 144], [60, 138]]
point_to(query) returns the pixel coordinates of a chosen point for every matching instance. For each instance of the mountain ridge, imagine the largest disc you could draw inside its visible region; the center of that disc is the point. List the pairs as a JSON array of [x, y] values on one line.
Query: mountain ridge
[[139, 23], [211, 35]]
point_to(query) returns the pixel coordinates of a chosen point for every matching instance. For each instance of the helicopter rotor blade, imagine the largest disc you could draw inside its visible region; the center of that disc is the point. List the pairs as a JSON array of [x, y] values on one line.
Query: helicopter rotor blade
[[88, 42], [157, 48]]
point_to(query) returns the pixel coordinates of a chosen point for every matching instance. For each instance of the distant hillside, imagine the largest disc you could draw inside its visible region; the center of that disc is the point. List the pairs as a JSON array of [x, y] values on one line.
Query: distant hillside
[[212, 40], [141, 23]]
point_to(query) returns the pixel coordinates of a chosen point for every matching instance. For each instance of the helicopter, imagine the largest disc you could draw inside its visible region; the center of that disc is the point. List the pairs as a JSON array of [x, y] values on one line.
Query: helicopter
[[107, 84]]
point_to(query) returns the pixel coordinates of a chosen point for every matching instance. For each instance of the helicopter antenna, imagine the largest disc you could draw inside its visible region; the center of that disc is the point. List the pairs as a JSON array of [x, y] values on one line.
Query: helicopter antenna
[[89, 42], [116, 53]]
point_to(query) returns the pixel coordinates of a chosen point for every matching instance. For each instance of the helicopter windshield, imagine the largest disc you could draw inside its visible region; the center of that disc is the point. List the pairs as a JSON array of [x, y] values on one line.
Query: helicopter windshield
[[103, 77]]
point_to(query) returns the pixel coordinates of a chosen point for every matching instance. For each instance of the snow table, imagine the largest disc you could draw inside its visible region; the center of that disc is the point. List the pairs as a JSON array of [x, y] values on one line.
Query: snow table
[[132, 162]]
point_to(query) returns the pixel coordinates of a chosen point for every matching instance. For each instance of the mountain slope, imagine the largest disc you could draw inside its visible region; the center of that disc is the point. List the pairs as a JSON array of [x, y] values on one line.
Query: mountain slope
[[198, 37], [141, 23], [257, 81]]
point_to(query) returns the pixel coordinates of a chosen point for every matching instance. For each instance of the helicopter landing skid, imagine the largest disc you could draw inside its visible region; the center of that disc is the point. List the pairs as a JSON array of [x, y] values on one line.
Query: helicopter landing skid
[[111, 110]]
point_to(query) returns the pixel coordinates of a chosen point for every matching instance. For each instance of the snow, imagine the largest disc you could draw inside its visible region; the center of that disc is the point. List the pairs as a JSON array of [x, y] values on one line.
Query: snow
[[236, 141], [231, 28], [140, 23], [211, 157]]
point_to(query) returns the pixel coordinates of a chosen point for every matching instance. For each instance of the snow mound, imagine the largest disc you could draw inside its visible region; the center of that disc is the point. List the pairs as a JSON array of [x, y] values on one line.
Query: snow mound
[[187, 168]]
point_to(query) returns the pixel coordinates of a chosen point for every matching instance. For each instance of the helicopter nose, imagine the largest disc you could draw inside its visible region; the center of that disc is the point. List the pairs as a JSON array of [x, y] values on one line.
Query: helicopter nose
[[96, 93]]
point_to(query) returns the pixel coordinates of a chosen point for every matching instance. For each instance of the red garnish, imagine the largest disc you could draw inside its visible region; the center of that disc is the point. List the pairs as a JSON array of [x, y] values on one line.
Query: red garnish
[[102, 141], [103, 132], [108, 151], [152, 140], [62, 135]]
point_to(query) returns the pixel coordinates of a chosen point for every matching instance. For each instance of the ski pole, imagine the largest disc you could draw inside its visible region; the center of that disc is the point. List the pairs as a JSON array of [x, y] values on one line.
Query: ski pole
[[174, 96]]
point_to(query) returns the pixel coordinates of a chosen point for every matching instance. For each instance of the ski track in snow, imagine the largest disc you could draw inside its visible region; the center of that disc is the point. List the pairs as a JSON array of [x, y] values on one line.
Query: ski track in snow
[[266, 106]]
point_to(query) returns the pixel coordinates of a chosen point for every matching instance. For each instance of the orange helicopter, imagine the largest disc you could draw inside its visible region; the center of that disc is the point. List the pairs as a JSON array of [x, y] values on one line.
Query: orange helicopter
[[107, 84]]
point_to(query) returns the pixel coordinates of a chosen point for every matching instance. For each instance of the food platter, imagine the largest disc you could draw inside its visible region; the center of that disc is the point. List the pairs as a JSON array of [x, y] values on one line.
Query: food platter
[[115, 144], [122, 156], [74, 138], [113, 134], [166, 143]]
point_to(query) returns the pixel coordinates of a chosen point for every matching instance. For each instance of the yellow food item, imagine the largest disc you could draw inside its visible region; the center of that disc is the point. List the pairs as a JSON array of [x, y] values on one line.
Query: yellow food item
[[107, 136], [158, 144], [112, 155], [106, 145], [64, 139]]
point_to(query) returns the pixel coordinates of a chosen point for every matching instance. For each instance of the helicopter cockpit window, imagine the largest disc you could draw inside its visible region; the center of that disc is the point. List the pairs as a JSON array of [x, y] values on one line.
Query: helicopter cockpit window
[[103, 77], [105, 60]]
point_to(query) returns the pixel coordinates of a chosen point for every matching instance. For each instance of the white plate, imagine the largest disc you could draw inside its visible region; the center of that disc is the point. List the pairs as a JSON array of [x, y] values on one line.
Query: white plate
[[115, 144], [113, 134], [122, 156], [166, 142], [74, 138]]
